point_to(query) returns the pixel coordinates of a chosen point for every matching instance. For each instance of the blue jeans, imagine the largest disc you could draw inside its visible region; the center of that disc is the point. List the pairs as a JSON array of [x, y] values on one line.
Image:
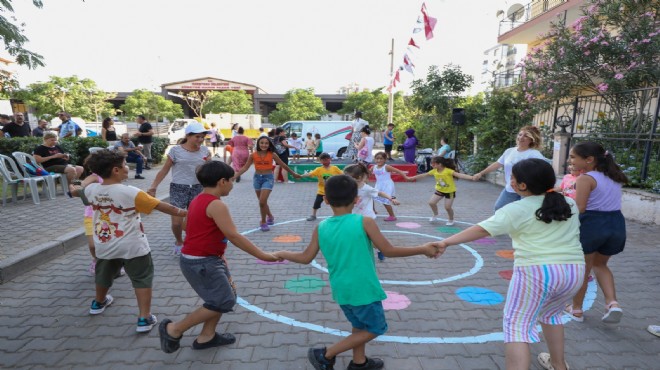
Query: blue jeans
[[506, 198], [133, 157]]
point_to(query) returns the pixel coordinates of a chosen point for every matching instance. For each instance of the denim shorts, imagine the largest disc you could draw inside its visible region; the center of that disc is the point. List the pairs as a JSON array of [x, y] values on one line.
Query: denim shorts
[[294, 151], [369, 317], [181, 195], [602, 232], [263, 182], [210, 279]]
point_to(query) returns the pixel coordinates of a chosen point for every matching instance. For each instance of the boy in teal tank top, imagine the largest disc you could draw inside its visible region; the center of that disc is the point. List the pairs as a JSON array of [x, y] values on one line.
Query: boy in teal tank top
[[346, 243]]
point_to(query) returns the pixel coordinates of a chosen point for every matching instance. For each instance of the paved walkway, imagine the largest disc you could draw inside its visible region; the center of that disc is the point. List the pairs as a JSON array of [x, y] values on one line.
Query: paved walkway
[[444, 314]]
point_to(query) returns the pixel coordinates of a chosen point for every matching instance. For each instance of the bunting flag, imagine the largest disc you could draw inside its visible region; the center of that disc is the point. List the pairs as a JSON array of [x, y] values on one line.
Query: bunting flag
[[396, 77], [408, 64], [417, 30], [429, 23], [412, 43]]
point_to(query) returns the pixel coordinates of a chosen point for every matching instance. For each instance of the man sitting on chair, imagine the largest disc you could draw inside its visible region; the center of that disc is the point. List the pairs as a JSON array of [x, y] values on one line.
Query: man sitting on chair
[[53, 159], [133, 154]]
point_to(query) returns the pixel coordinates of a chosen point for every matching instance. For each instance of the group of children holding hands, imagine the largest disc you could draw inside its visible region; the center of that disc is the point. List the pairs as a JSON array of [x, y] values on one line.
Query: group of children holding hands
[[554, 242]]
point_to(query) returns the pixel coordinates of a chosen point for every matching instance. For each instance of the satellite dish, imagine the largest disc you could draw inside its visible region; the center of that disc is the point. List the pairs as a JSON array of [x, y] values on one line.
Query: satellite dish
[[515, 12]]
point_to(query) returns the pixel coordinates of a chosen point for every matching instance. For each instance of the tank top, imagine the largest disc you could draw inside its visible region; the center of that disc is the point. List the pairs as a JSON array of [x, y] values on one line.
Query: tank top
[[606, 196], [263, 163], [110, 135], [381, 174], [203, 238]]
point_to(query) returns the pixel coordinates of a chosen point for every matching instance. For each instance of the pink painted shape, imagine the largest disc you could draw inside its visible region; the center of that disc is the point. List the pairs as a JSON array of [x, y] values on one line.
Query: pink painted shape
[[408, 225], [395, 301], [486, 241], [262, 262], [506, 274]]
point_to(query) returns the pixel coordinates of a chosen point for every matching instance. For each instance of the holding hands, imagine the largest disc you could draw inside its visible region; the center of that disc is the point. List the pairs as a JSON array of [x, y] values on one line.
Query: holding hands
[[434, 249]]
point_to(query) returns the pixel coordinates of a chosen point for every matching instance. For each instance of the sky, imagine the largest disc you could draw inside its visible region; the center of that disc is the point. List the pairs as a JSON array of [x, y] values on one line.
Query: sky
[[276, 45]]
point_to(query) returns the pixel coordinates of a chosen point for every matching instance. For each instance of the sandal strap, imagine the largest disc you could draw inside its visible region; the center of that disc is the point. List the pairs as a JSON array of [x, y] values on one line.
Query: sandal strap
[[609, 305]]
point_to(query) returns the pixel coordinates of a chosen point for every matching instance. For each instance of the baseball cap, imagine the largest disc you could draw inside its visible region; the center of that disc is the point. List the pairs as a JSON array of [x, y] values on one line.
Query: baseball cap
[[195, 128]]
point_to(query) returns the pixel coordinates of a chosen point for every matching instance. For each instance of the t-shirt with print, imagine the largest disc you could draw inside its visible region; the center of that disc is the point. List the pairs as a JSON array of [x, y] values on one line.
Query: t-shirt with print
[[444, 180], [365, 204], [117, 225], [567, 185], [47, 151], [322, 174], [186, 163], [534, 241]]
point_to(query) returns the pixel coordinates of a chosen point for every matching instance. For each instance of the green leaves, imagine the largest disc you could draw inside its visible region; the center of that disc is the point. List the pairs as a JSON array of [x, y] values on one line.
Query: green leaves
[[152, 106], [235, 102], [299, 104]]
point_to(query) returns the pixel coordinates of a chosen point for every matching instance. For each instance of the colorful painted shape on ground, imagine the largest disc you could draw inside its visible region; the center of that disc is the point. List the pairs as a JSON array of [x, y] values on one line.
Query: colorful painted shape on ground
[[408, 225], [395, 301], [449, 229], [480, 296], [506, 274], [287, 239], [505, 253], [305, 284]]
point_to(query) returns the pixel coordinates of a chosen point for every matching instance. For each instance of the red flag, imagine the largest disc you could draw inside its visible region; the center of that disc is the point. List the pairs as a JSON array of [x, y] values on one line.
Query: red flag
[[429, 23], [396, 77], [412, 43]]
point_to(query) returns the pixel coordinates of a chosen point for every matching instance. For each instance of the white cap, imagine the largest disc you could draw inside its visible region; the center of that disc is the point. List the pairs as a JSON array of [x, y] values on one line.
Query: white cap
[[195, 128]]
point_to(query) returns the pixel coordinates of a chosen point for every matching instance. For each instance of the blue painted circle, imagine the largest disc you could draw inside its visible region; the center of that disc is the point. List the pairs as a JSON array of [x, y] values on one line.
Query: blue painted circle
[[480, 296]]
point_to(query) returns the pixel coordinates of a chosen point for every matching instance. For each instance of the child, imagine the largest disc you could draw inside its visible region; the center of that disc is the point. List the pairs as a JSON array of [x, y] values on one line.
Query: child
[[345, 239], [366, 146], [264, 179], [296, 142], [567, 186], [384, 183], [319, 144], [388, 140], [322, 174], [366, 194], [602, 226], [444, 171], [118, 232], [310, 146], [202, 261], [548, 262]]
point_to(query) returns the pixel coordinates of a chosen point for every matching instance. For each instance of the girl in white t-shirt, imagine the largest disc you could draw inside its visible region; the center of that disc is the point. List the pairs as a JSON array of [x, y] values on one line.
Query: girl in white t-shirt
[[366, 193], [366, 146]]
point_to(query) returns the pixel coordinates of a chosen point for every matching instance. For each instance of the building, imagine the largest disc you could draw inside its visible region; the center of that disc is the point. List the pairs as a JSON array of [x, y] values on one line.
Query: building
[[499, 66]]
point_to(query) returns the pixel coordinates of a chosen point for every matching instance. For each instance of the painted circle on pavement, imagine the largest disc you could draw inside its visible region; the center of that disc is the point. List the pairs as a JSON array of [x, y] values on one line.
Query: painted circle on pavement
[[287, 239], [506, 274], [305, 284], [395, 301], [408, 225], [480, 296], [505, 253]]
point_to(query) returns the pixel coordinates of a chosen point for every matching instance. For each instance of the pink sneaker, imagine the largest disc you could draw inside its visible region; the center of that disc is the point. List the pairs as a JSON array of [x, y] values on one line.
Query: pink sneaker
[[390, 218]]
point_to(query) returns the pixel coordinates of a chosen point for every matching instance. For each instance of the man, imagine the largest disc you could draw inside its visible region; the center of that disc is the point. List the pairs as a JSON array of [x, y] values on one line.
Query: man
[[4, 119], [133, 154], [144, 136], [68, 127], [17, 128], [42, 127]]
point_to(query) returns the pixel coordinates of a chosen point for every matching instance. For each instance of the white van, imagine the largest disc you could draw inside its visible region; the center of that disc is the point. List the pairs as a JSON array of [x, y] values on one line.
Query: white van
[[333, 134], [177, 130]]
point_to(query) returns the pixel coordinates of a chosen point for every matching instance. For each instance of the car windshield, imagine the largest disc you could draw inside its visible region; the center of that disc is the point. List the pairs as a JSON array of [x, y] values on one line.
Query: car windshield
[[177, 125]]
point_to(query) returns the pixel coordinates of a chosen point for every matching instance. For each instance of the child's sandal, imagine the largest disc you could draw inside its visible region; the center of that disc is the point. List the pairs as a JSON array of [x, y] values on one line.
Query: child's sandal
[[613, 314], [576, 315]]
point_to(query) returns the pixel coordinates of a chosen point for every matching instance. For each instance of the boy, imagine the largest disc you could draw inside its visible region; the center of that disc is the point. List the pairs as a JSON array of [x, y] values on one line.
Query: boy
[[310, 145], [319, 145], [202, 262], [118, 232], [296, 143], [322, 174], [388, 140], [345, 239]]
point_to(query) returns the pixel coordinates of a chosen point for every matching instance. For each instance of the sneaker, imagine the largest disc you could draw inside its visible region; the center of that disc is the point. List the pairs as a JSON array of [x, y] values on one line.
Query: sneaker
[[238, 179], [270, 220], [138, 177], [316, 357], [311, 218], [434, 219], [176, 250], [145, 324], [449, 223], [120, 273], [92, 268], [264, 227], [381, 256], [654, 329], [390, 218], [98, 308], [290, 182], [372, 363], [147, 167]]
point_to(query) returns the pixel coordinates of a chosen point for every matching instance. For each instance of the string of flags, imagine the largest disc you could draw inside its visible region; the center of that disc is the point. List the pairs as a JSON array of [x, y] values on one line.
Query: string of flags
[[424, 23]]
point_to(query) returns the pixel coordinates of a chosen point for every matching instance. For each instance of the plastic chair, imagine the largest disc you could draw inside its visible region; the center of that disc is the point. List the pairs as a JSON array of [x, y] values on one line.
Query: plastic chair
[[23, 158], [12, 177], [95, 149]]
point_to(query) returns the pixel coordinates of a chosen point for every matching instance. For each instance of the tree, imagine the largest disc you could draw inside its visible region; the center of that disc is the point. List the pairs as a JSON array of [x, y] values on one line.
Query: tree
[[613, 46], [151, 105], [196, 100], [299, 104], [80, 97], [373, 105], [236, 102]]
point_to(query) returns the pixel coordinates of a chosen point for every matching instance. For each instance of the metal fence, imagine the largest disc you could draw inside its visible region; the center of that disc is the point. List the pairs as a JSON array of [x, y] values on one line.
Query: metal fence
[[625, 123]]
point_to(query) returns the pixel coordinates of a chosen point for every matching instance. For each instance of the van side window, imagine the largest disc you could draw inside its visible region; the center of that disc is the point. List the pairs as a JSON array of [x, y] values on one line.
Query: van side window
[[297, 128]]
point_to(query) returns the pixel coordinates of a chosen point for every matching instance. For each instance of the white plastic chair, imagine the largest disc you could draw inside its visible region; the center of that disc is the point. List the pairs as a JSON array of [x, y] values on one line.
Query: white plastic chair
[[23, 158], [95, 149], [12, 177]]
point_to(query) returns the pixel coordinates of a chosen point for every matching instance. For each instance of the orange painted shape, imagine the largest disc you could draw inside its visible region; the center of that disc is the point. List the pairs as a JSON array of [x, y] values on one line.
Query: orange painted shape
[[287, 239], [506, 274], [505, 253]]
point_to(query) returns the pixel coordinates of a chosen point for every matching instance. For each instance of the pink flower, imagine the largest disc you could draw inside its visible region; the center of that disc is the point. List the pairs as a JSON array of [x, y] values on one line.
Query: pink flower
[[549, 91], [602, 87], [646, 41], [587, 52], [605, 43], [618, 76]]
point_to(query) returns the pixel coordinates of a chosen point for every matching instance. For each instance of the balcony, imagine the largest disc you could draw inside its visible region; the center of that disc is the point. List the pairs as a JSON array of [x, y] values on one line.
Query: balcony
[[506, 79], [524, 24]]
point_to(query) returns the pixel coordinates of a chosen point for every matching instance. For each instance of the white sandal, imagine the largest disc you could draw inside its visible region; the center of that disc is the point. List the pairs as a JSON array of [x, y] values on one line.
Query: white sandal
[[572, 313], [613, 314], [544, 361]]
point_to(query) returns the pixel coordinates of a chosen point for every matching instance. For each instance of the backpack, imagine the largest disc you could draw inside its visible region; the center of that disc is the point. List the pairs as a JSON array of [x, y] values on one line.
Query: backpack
[[33, 170], [279, 148]]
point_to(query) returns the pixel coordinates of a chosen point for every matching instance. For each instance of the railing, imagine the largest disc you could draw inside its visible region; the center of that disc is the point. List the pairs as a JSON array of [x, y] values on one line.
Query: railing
[[506, 79], [526, 14], [625, 123]]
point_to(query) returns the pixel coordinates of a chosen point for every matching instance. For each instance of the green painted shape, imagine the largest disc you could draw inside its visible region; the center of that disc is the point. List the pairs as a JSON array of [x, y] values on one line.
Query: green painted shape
[[449, 230], [305, 284]]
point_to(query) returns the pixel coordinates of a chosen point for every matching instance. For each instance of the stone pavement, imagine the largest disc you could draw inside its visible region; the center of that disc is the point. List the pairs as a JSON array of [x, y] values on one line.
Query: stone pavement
[[445, 313]]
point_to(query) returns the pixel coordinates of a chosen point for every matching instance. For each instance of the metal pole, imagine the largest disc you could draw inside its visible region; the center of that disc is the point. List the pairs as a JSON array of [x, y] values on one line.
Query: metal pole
[[390, 101]]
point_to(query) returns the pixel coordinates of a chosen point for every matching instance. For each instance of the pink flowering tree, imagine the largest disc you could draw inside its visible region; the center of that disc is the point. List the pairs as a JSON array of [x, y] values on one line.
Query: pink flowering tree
[[614, 46]]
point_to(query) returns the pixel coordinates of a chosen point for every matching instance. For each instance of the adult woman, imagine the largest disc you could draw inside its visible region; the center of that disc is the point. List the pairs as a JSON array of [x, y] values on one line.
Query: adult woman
[[366, 146], [282, 147], [357, 125], [242, 146], [53, 159], [528, 141], [183, 159], [108, 132], [445, 149], [410, 146]]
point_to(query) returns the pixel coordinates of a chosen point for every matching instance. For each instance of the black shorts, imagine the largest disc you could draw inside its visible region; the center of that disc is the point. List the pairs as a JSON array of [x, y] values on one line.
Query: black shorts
[[446, 195], [602, 232], [388, 148], [318, 201]]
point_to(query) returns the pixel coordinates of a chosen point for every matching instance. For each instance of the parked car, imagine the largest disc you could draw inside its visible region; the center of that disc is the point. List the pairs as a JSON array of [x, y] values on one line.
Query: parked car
[[333, 134]]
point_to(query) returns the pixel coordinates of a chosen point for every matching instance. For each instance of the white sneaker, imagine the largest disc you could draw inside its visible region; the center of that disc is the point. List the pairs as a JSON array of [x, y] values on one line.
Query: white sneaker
[[434, 219], [176, 251], [654, 329], [291, 182], [449, 223]]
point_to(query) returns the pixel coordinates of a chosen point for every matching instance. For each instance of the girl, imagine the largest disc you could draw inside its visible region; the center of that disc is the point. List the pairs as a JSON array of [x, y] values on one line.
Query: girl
[[443, 171], [366, 194], [310, 146], [241, 148], [108, 132], [384, 183], [263, 179], [602, 226], [548, 262], [567, 186], [183, 159], [366, 146]]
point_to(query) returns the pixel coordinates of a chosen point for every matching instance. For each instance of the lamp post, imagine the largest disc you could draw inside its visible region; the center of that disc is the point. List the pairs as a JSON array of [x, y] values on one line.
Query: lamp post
[[563, 122]]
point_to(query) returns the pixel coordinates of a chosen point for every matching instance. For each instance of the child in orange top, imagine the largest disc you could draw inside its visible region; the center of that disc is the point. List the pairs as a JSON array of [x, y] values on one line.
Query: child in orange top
[[264, 180]]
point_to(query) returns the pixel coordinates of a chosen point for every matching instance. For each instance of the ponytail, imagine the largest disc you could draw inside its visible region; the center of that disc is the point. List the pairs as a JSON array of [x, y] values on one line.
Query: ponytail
[[604, 160]]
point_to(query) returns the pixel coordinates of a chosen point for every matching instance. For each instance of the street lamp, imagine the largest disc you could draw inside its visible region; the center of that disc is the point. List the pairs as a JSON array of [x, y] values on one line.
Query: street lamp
[[563, 122]]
